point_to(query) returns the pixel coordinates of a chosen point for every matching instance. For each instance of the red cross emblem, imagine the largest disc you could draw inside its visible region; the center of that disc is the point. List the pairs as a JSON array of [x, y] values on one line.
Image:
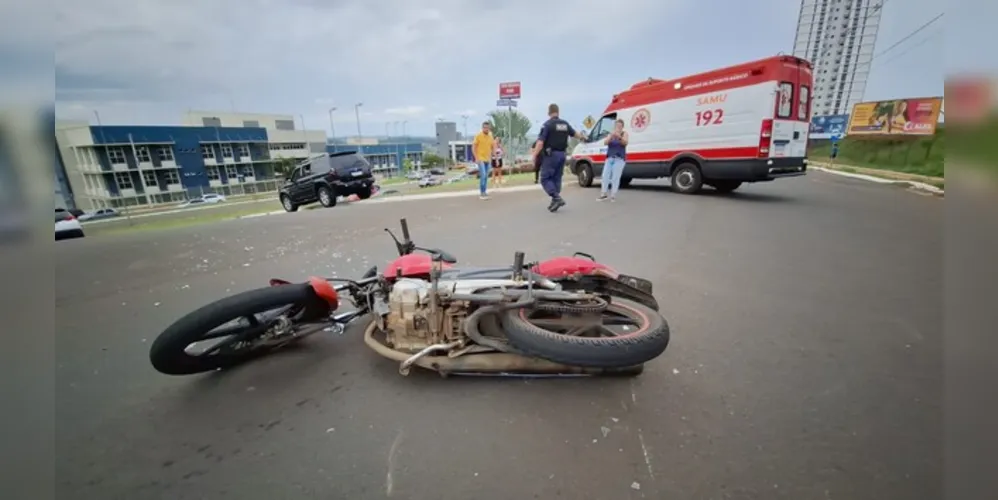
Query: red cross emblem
[[640, 120]]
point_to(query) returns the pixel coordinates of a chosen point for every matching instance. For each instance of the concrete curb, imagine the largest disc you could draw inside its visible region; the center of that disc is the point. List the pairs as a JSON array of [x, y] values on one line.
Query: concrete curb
[[416, 197], [920, 186], [449, 194]]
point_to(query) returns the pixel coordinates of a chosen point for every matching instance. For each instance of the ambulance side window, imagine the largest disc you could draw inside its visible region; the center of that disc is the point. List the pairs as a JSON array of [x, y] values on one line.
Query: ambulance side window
[[603, 128], [785, 100]]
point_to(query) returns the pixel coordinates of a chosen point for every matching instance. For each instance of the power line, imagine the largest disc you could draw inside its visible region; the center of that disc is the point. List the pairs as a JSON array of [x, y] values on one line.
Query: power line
[[909, 49], [913, 33]]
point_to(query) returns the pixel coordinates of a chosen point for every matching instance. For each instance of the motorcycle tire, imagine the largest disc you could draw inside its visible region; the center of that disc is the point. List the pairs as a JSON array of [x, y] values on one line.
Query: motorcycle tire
[[169, 355], [634, 348]]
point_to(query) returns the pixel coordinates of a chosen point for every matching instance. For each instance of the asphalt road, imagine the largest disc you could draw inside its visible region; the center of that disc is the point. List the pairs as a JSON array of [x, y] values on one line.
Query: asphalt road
[[804, 364]]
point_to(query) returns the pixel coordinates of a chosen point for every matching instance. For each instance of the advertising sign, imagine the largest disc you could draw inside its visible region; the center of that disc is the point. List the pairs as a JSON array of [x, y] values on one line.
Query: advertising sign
[[506, 103], [509, 90], [896, 117], [826, 127]]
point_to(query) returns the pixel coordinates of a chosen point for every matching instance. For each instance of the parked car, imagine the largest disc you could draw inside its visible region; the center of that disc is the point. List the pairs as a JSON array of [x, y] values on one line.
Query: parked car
[[324, 178], [429, 181], [415, 175], [437, 171], [100, 213], [213, 198], [66, 225], [193, 202], [76, 212]]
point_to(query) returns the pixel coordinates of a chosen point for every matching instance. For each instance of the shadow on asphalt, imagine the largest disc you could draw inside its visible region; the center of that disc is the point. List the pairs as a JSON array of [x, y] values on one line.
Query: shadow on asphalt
[[710, 193]]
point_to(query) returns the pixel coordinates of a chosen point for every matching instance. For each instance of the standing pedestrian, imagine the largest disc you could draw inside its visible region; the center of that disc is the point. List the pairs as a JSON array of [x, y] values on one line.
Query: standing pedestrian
[[482, 148], [497, 164], [552, 144], [616, 159]]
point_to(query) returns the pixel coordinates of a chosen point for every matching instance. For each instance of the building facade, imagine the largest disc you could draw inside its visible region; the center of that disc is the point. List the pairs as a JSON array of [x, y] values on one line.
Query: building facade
[[386, 159], [838, 37], [446, 134]]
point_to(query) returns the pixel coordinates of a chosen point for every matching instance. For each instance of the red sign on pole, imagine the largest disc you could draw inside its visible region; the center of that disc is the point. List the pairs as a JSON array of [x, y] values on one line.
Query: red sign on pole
[[509, 90]]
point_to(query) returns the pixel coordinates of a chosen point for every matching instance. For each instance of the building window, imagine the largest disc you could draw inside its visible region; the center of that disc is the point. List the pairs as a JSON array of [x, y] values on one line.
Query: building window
[[116, 156], [244, 150], [231, 172], [150, 177], [172, 177], [207, 152], [248, 171], [123, 180], [166, 154], [226, 151], [213, 173], [142, 153]]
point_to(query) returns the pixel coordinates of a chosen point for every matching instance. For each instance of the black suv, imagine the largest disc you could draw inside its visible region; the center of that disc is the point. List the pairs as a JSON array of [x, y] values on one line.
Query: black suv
[[325, 177]]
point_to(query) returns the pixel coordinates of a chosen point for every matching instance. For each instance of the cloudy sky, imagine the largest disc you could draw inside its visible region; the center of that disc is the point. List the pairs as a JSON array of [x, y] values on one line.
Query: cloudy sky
[[146, 62]]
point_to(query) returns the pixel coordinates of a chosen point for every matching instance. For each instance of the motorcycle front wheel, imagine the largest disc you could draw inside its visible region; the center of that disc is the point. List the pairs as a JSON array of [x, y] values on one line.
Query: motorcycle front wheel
[[235, 329], [625, 334]]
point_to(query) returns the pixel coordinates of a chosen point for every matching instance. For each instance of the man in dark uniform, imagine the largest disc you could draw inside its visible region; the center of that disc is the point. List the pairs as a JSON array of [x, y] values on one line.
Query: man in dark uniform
[[551, 144]]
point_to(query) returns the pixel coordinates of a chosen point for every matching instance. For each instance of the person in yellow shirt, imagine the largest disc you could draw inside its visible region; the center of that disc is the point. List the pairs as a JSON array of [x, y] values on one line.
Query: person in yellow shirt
[[482, 148]]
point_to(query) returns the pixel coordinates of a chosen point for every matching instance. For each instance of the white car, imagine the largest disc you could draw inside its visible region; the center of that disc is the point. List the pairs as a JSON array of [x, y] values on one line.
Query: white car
[[101, 213], [66, 225], [212, 198]]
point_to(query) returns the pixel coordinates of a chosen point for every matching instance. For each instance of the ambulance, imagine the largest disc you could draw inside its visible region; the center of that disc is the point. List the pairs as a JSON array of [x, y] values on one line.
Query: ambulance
[[723, 128]]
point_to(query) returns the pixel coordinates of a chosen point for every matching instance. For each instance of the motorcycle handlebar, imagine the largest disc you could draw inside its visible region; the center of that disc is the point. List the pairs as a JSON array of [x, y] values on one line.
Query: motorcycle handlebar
[[405, 231]]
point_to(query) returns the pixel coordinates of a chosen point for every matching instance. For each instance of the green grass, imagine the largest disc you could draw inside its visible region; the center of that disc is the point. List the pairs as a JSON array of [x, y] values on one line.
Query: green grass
[[977, 145], [909, 155], [172, 221]]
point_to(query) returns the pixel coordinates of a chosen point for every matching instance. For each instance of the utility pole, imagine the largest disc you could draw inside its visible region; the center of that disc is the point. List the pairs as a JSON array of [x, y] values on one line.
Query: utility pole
[[332, 128], [356, 111]]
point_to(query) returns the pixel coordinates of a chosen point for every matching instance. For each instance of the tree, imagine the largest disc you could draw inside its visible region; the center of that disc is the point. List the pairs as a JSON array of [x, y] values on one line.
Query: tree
[[408, 165], [284, 166], [509, 124], [431, 160]]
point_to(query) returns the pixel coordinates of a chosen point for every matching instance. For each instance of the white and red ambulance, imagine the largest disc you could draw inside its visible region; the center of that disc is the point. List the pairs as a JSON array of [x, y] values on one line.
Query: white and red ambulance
[[744, 123]]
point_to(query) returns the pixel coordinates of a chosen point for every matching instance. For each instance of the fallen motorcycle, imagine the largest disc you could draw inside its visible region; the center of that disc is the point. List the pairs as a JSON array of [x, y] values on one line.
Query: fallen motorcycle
[[564, 316]]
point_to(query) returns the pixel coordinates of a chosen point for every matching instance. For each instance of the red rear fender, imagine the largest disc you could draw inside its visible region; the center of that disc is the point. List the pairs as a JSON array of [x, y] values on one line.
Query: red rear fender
[[560, 267]]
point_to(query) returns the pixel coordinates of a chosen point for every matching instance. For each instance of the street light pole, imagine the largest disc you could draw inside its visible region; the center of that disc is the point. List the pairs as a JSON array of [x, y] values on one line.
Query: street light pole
[[356, 111], [308, 146], [465, 118], [332, 128], [405, 142]]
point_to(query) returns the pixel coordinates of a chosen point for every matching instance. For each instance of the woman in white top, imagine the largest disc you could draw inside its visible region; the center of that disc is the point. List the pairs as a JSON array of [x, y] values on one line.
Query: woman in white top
[[497, 164]]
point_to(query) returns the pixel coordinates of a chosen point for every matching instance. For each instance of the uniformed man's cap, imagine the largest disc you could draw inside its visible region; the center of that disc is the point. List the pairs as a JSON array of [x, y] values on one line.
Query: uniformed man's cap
[[552, 109]]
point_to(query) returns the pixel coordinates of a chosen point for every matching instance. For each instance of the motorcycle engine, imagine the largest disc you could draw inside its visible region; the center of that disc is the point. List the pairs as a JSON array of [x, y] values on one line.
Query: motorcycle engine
[[410, 318]]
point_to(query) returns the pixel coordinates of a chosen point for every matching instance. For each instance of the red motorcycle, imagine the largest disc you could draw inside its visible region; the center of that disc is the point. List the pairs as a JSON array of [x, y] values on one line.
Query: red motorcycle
[[564, 316]]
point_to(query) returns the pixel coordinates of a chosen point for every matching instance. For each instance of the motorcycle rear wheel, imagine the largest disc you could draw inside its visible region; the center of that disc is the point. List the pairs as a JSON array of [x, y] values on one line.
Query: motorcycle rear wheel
[[261, 307], [597, 346]]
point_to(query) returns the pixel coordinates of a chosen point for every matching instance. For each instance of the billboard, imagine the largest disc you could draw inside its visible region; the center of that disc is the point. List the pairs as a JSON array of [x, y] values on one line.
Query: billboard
[[509, 90], [896, 117], [824, 127]]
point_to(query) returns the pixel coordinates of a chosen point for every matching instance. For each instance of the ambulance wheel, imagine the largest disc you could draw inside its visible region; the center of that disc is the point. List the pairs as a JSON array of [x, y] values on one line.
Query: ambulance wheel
[[625, 181], [585, 175], [686, 178]]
